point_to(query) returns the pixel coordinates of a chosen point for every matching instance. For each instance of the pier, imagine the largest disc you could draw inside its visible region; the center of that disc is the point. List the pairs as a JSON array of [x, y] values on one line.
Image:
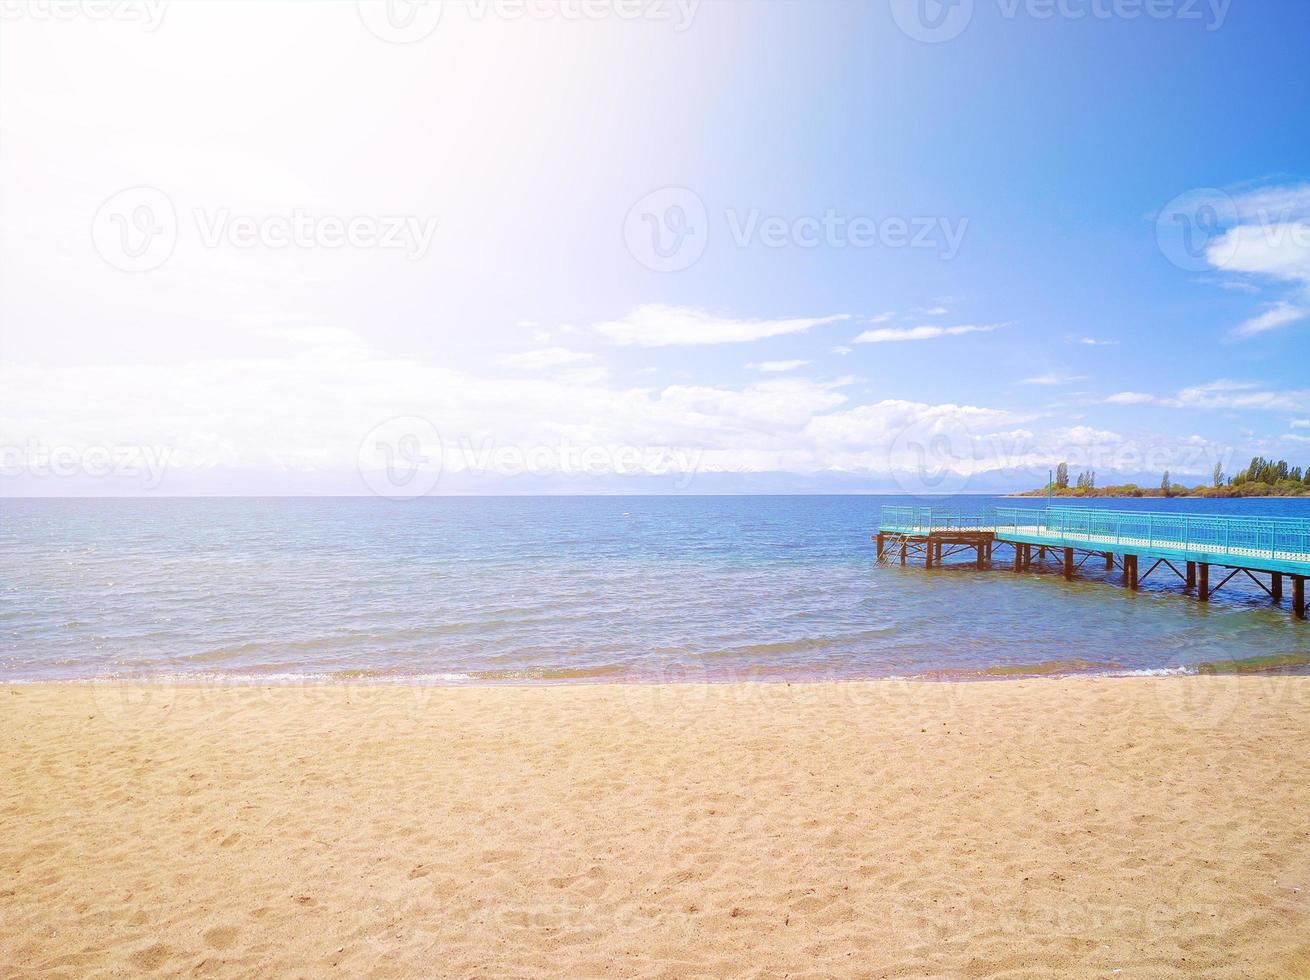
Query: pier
[[1205, 552]]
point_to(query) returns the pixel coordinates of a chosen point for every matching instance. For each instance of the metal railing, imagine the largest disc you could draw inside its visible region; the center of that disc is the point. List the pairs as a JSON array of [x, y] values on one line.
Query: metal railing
[[920, 519], [1205, 535]]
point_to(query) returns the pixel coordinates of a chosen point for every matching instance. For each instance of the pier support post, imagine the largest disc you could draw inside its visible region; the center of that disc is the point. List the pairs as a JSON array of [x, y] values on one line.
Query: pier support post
[[1203, 586], [1298, 597], [982, 554], [1018, 557], [1109, 560], [1191, 575], [904, 545], [882, 543], [1276, 586], [1068, 563], [929, 553], [1130, 571]]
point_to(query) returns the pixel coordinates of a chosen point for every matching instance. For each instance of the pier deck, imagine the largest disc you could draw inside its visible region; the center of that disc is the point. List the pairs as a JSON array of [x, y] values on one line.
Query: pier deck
[[1276, 547]]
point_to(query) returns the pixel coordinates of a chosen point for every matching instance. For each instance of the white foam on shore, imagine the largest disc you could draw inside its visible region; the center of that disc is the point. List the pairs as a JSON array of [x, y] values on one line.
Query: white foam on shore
[[1153, 672]]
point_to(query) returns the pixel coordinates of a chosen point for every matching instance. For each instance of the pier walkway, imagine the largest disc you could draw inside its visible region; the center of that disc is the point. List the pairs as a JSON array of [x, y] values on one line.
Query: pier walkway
[[1188, 545]]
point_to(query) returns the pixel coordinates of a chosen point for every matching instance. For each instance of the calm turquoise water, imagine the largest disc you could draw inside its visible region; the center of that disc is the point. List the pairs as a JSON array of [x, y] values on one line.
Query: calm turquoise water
[[553, 588]]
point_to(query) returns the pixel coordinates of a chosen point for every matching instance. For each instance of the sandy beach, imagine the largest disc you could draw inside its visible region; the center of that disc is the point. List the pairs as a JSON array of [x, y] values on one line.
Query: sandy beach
[[1137, 827]]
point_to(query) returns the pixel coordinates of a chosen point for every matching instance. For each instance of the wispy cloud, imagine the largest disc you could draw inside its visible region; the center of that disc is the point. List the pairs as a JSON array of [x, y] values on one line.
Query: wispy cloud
[[1227, 394], [1094, 342], [657, 325], [547, 358], [1130, 398], [1052, 378], [1269, 240], [1278, 315], [884, 335], [777, 367]]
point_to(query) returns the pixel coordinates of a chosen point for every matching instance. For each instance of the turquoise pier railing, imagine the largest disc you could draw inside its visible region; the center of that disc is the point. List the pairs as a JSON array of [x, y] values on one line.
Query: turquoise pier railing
[[1272, 541], [1275, 543], [917, 520]]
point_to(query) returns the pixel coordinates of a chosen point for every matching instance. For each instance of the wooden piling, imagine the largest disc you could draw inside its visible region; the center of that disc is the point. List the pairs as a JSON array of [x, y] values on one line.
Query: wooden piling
[[1109, 560], [1276, 586], [928, 553], [1191, 575], [1130, 571], [1203, 587], [1018, 558], [1068, 563], [882, 544], [1298, 597]]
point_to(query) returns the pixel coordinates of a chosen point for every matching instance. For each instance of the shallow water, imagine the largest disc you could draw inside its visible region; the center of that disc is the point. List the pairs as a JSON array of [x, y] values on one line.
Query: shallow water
[[575, 588]]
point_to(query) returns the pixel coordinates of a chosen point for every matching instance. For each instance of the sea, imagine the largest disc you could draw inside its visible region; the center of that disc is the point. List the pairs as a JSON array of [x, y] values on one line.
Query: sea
[[568, 589]]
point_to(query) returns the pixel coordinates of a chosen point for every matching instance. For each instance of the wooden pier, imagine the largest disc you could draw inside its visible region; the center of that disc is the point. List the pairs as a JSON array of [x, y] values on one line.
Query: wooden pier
[[1204, 552]]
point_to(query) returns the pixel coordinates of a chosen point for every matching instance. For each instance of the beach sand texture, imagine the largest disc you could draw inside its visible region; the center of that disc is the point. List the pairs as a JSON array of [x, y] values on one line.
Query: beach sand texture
[[1074, 827]]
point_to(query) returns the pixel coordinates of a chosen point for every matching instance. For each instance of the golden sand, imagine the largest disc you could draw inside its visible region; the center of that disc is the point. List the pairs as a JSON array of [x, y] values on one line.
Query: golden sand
[[1081, 827]]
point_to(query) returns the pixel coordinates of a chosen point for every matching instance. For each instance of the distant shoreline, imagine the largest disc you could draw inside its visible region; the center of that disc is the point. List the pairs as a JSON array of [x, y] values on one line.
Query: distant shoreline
[[1031, 494]]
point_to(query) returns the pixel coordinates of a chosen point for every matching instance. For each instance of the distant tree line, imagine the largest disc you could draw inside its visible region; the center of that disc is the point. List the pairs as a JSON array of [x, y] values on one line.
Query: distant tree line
[[1263, 478]]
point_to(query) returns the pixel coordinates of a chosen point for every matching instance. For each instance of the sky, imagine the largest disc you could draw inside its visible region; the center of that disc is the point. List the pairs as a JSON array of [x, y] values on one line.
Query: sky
[[508, 246]]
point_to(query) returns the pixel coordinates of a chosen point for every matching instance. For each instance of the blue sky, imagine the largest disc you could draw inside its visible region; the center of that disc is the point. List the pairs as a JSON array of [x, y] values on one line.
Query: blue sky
[[890, 257]]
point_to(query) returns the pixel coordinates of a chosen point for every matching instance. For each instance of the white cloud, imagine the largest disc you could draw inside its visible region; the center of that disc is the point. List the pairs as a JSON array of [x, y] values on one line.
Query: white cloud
[[1300, 423], [1130, 398], [1270, 240], [1278, 315], [777, 367], [885, 335], [1227, 394], [658, 325], [548, 357], [1094, 342], [842, 350], [1051, 379]]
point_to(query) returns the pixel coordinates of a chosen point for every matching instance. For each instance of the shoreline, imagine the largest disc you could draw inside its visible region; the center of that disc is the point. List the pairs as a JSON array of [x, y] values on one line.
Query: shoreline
[[1062, 825]]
